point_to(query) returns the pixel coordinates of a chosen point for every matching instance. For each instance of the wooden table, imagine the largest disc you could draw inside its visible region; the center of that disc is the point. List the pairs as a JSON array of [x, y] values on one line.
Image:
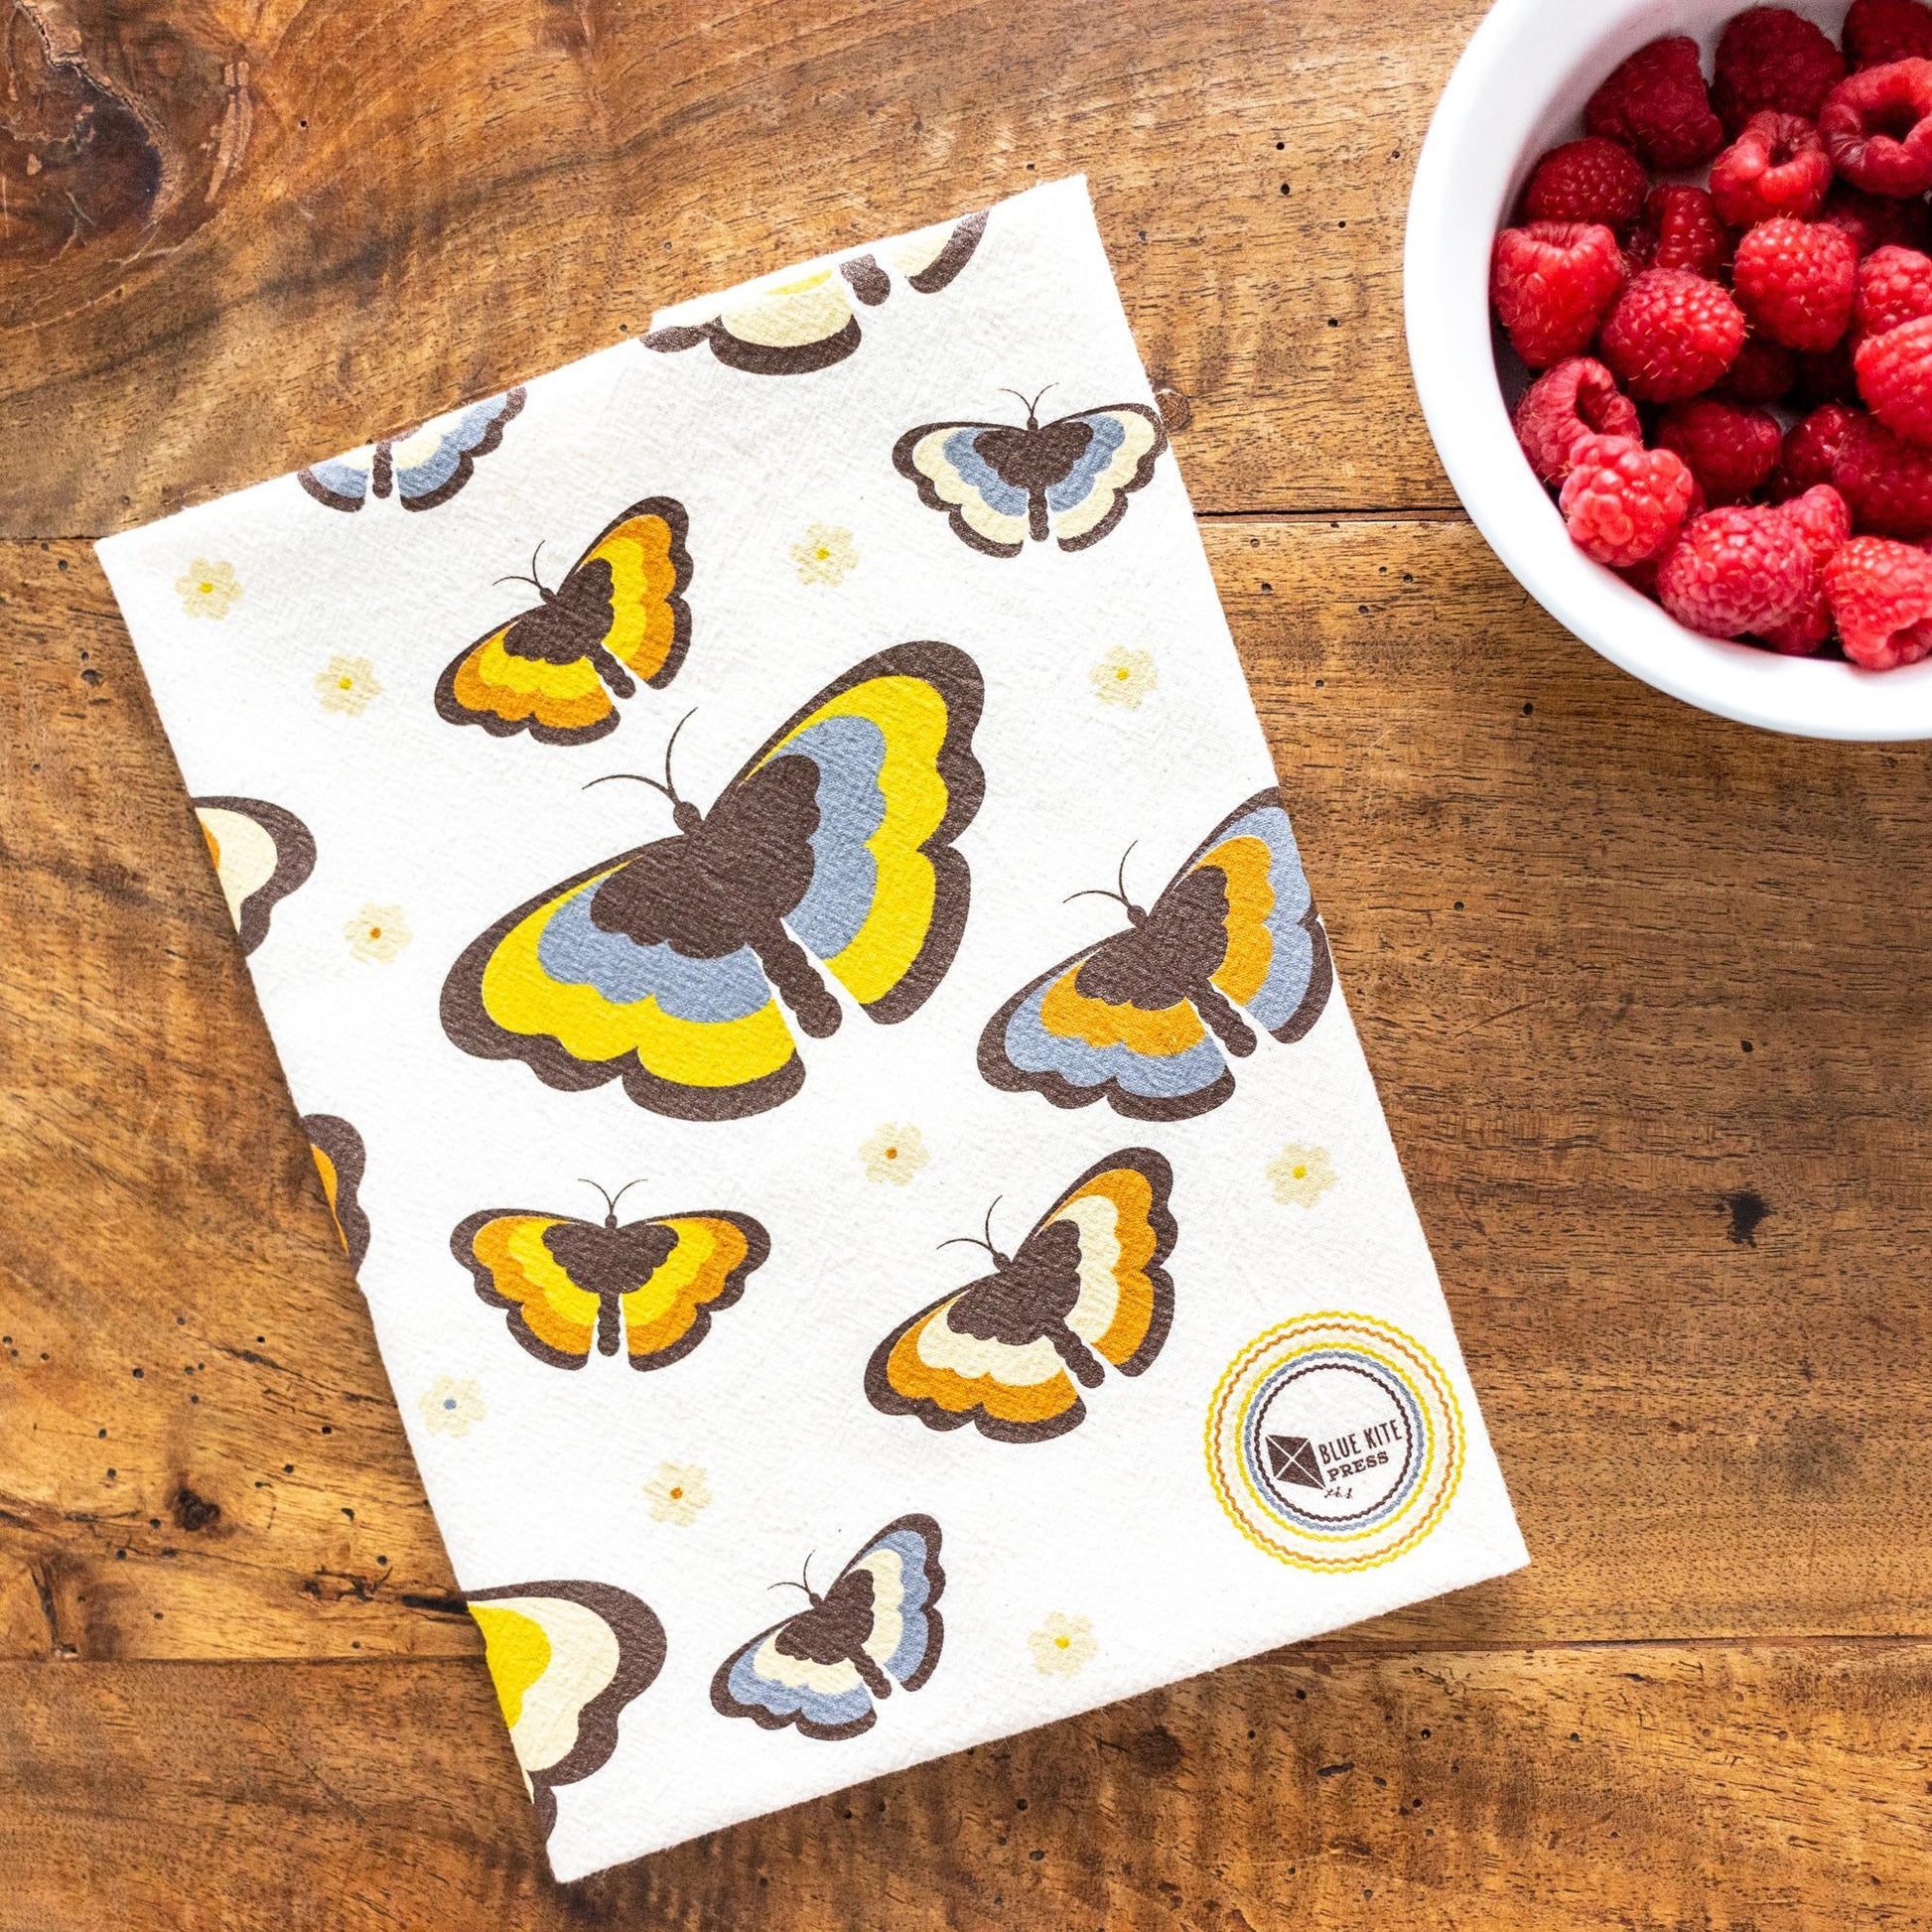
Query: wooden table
[[1645, 993]]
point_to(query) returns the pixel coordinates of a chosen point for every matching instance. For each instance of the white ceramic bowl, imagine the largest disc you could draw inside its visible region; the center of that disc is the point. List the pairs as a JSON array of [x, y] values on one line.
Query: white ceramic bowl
[[1518, 90]]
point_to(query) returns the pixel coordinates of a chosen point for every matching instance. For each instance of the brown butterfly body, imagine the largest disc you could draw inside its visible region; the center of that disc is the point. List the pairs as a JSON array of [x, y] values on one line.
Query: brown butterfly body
[[608, 1262], [1028, 1297], [835, 1630], [1035, 459], [570, 622]]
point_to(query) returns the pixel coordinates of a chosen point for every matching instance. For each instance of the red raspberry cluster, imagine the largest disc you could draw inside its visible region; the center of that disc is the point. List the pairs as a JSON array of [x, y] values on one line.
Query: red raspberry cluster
[[1733, 392]]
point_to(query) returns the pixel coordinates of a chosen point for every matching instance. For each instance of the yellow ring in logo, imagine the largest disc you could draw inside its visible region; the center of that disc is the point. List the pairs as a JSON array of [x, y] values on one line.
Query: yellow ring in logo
[[1334, 1442]]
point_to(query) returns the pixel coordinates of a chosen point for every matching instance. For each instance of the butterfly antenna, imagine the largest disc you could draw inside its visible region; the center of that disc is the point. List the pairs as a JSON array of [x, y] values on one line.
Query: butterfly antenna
[[670, 790], [1032, 408], [990, 1247], [967, 1241], [1095, 891], [608, 1201], [624, 1190], [636, 779], [527, 576], [1120, 877]]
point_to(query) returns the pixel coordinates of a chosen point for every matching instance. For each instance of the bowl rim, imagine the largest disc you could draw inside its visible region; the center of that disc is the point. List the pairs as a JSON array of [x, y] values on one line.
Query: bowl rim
[[1486, 130]]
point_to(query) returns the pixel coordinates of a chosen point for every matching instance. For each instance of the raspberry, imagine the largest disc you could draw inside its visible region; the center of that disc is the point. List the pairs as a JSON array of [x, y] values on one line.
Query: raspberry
[[1895, 378], [1802, 636], [1873, 220], [1625, 504], [1797, 281], [1811, 450], [1777, 166], [1773, 57], [1763, 372], [1881, 595], [1895, 286], [1577, 398], [1878, 32], [1876, 130], [1731, 449], [1551, 283], [1591, 180], [1822, 519], [1672, 335], [1678, 229], [1738, 572], [1656, 102], [1887, 482]]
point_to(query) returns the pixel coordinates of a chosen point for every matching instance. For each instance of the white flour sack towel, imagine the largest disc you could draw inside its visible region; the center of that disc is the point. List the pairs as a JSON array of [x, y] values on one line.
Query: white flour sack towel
[[774, 903]]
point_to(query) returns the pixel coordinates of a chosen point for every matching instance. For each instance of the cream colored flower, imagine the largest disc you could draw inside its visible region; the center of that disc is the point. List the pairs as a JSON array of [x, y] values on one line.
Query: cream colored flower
[[1301, 1175], [209, 589], [1125, 677], [824, 554], [347, 684], [677, 1492], [450, 1408], [1063, 1646], [893, 1154], [377, 932]]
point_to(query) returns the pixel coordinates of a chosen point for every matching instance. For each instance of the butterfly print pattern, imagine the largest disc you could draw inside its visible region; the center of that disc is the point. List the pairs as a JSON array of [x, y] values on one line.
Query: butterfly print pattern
[[649, 1287], [261, 855], [825, 1669], [1086, 1289], [423, 468], [664, 967], [617, 617], [565, 1658], [808, 322], [339, 1160], [1000, 486], [1147, 1019]]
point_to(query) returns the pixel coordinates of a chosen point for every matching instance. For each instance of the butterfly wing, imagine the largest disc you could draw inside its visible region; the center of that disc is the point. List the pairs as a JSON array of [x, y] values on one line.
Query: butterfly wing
[[430, 464], [342, 483], [506, 1255], [1277, 965], [790, 326], [933, 257], [1150, 1057], [895, 784], [565, 1658], [715, 1253], [953, 474], [949, 1364], [262, 854], [339, 1161], [1125, 442], [808, 1671], [552, 671]]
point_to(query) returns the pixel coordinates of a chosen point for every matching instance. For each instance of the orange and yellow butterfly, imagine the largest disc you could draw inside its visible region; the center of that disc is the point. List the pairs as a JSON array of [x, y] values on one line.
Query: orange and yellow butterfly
[[618, 617], [1086, 1289], [664, 966], [571, 1285]]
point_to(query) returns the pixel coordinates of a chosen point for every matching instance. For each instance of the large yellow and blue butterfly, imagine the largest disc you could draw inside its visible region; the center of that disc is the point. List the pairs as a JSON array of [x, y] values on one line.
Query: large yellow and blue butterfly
[[618, 615], [1146, 1018], [568, 1286], [565, 1658], [1000, 484], [1086, 1289], [664, 966]]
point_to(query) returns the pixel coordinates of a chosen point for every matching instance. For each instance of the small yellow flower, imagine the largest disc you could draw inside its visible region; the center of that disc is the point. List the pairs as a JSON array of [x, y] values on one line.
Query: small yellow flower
[[349, 685], [1063, 1646], [1301, 1175], [824, 554], [209, 589], [1125, 677], [377, 932], [449, 1406], [893, 1154], [677, 1492]]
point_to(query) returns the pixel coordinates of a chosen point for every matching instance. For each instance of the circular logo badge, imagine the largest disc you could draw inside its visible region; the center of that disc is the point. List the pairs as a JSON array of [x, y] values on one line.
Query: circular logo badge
[[1334, 1442]]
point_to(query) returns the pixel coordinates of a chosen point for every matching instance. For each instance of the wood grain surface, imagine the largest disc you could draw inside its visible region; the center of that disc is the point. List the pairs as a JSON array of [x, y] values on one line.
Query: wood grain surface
[[1642, 991]]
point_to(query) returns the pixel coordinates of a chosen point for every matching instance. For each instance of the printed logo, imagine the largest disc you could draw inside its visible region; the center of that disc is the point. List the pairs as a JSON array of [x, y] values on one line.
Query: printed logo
[[1334, 1443]]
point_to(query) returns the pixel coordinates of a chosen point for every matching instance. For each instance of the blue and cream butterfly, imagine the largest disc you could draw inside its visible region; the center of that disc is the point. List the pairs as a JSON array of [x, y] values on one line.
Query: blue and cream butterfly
[[565, 1658], [1068, 478], [804, 320], [824, 1668], [569, 1286], [1086, 1289], [664, 966], [424, 467], [1146, 1019]]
